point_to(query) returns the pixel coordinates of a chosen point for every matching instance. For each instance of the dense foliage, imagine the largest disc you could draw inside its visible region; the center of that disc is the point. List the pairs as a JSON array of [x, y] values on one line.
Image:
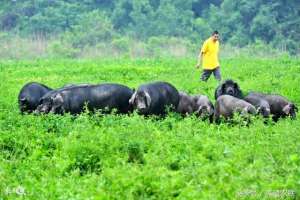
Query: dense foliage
[[132, 157], [87, 22]]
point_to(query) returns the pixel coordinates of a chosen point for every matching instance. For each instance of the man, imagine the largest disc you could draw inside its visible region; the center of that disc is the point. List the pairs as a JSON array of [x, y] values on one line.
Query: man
[[209, 56]]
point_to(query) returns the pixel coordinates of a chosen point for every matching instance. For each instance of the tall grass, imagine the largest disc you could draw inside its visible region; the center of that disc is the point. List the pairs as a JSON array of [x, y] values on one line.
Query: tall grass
[[36, 47], [132, 157]]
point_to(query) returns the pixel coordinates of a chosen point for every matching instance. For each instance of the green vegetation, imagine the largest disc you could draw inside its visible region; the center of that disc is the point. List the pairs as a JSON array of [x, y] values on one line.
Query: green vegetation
[[132, 157], [129, 156], [73, 27]]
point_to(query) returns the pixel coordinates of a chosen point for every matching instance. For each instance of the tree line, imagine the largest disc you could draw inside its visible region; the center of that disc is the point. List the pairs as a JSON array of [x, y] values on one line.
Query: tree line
[[86, 22]]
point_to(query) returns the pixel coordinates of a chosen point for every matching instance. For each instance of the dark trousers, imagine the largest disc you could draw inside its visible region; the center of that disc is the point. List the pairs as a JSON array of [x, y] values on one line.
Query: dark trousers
[[206, 74]]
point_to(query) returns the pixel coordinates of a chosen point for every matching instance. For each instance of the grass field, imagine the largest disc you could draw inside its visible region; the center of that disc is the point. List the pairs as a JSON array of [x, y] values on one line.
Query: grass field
[[130, 157]]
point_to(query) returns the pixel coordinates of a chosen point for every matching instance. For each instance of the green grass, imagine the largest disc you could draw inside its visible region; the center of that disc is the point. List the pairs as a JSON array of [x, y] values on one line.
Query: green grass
[[130, 157]]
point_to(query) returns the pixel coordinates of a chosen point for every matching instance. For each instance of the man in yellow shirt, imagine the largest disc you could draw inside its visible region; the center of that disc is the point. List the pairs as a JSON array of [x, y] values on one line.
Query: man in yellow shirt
[[209, 56]]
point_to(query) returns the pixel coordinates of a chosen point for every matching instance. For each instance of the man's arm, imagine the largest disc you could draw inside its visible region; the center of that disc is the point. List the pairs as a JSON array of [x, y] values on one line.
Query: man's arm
[[199, 60], [200, 57]]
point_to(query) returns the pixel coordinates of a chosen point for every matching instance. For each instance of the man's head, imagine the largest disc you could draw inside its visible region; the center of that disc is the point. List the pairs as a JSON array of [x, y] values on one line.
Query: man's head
[[215, 36]]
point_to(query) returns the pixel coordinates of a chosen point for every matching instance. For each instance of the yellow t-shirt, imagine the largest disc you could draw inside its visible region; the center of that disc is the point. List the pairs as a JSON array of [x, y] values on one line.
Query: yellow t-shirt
[[210, 50]]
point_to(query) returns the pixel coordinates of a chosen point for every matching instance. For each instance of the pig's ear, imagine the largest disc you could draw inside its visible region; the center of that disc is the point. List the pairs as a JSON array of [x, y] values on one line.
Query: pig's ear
[[57, 98], [195, 98], [248, 110], [41, 100], [148, 98], [131, 100], [198, 110], [23, 100], [287, 109], [236, 85], [294, 107], [259, 109], [223, 87], [244, 111], [211, 110], [212, 106]]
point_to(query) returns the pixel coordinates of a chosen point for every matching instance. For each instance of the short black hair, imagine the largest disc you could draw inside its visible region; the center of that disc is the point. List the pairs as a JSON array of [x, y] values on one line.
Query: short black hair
[[215, 32]]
